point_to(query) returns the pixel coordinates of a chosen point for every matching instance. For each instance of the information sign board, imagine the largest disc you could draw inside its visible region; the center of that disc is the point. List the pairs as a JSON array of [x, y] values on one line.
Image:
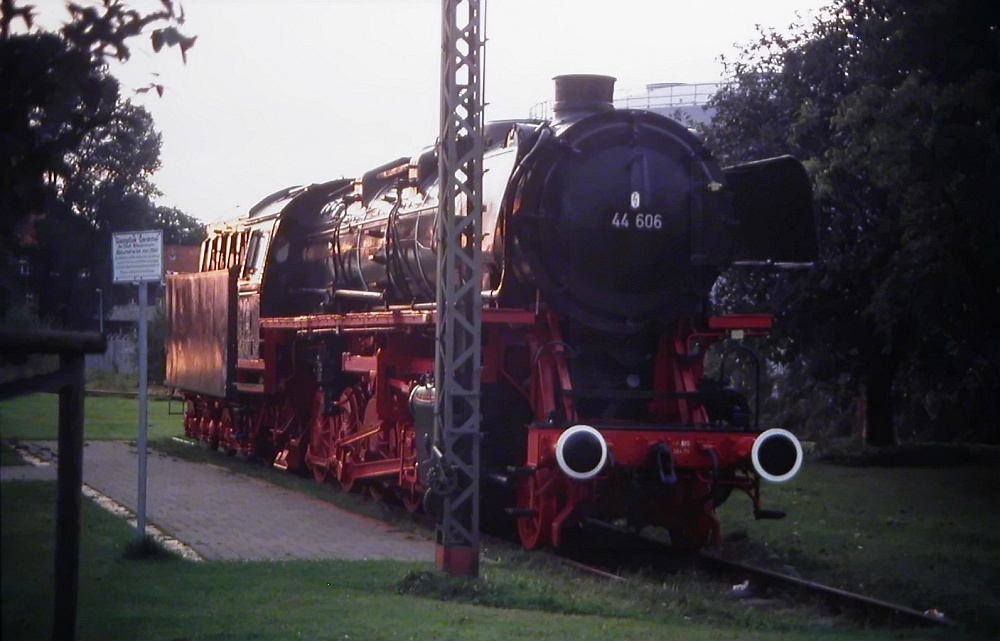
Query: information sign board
[[137, 256]]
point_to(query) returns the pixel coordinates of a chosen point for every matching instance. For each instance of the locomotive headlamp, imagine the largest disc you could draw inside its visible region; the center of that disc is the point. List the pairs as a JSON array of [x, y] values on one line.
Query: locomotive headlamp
[[581, 452], [776, 455]]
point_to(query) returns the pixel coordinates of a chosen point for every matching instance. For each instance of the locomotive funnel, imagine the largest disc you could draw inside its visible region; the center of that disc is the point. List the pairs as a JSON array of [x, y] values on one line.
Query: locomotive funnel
[[583, 92], [581, 452], [776, 455]]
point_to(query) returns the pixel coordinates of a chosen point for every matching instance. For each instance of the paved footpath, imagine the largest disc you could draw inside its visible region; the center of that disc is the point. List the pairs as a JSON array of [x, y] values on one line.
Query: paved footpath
[[222, 515]]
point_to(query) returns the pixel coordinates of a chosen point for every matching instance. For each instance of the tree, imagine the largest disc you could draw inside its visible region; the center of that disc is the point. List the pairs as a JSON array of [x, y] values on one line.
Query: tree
[[112, 189], [75, 160], [112, 164], [178, 228], [56, 90], [52, 95], [892, 105]]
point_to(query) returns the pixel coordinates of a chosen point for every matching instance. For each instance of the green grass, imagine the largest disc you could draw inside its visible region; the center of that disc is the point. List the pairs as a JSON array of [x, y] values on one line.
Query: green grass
[[36, 417], [518, 595], [9, 457], [926, 537]]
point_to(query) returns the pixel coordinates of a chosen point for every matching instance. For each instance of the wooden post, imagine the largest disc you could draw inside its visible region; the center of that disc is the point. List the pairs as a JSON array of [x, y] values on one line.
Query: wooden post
[[69, 492], [68, 381]]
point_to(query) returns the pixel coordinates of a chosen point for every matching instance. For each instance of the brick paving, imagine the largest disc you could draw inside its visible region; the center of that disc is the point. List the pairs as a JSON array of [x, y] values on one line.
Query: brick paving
[[222, 515]]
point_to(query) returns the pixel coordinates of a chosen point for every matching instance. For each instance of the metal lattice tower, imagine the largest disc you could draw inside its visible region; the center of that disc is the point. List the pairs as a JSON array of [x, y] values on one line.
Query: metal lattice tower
[[459, 299]]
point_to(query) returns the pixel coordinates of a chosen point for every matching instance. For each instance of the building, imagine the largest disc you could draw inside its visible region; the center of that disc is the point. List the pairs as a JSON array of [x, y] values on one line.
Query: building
[[181, 259], [683, 102]]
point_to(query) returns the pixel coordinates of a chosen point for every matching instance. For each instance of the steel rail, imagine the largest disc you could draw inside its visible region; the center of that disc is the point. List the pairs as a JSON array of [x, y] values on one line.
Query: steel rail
[[654, 555], [846, 601]]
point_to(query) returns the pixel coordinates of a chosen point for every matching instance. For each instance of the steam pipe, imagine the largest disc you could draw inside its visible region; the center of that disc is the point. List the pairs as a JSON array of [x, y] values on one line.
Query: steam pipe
[[359, 294]]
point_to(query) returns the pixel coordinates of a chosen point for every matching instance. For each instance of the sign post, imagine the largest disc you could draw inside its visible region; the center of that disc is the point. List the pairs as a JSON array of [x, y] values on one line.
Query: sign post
[[138, 258]]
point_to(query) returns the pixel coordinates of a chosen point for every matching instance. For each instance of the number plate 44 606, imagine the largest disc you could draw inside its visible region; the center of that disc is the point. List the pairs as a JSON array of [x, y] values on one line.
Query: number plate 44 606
[[637, 220]]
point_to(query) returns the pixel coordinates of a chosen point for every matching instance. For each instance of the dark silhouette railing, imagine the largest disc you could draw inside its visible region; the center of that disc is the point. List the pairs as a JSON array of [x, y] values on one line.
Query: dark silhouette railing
[[67, 380]]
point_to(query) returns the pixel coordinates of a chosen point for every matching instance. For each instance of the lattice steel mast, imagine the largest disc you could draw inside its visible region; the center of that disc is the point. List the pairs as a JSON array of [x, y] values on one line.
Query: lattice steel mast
[[459, 299]]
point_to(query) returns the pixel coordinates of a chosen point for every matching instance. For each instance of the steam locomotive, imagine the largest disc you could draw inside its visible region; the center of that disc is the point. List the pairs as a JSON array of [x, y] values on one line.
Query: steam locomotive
[[306, 340]]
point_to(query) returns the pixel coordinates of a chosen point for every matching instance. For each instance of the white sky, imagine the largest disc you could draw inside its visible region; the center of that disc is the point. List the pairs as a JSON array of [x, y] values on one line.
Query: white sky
[[283, 92]]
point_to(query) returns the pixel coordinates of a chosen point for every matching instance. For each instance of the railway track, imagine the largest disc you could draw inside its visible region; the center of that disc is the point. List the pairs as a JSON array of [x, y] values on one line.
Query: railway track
[[754, 584], [762, 585], [758, 581], [757, 586]]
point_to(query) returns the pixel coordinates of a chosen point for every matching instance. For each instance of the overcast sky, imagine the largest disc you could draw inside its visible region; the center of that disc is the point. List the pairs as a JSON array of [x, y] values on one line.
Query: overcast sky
[[284, 92]]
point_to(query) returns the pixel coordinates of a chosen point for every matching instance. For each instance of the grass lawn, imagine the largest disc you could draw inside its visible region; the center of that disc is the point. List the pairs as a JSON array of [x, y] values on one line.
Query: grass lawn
[[518, 595], [36, 417], [926, 537], [9, 457]]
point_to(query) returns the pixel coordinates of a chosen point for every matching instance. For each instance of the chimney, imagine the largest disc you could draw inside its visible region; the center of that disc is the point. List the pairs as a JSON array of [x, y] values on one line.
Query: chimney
[[581, 92]]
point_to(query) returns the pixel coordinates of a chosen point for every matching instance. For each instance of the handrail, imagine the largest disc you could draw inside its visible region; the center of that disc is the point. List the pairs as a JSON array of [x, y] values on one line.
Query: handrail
[[68, 382]]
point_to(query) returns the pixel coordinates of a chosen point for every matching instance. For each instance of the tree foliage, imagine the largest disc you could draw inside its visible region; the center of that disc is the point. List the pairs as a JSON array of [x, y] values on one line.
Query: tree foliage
[[76, 161], [113, 163], [894, 106]]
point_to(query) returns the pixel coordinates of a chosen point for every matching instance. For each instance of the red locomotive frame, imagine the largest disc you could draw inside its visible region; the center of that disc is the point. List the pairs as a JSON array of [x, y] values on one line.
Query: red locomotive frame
[[277, 416]]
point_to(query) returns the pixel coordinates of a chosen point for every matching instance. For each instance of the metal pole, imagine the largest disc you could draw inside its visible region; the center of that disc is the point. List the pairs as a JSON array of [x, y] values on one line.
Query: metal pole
[[140, 528], [459, 301]]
